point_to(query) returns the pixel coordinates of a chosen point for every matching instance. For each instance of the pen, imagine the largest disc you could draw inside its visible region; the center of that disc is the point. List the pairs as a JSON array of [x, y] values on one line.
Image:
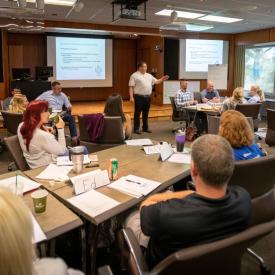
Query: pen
[[133, 181]]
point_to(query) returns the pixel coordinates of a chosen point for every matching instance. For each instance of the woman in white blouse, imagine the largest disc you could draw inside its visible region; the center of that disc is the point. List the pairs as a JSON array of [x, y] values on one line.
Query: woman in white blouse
[[257, 95], [39, 145]]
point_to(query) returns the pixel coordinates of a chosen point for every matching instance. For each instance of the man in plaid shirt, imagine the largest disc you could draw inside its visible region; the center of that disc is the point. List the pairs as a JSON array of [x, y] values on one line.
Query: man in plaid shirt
[[184, 98]]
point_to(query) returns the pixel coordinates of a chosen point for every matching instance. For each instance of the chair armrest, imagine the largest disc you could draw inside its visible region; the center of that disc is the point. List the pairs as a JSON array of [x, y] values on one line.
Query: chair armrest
[[136, 256], [104, 270]]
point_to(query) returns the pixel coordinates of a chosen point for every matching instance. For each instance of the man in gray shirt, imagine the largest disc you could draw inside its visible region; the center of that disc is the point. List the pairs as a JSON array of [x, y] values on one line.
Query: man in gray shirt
[[210, 94], [57, 99]]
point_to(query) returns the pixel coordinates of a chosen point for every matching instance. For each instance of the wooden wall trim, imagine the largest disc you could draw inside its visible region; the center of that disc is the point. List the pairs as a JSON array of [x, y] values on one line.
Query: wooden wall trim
[[103, 27], [255, 37]]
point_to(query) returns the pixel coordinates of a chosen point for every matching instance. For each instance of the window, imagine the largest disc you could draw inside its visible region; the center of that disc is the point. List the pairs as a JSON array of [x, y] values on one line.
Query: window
[[260, 69]]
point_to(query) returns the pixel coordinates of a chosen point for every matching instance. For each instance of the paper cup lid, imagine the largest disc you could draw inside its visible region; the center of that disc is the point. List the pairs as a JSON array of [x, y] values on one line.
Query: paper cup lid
[[39, 194]]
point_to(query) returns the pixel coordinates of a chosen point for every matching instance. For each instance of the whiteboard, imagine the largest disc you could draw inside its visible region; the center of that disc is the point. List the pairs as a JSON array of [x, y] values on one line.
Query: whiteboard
[[171, 87], [218, 74]]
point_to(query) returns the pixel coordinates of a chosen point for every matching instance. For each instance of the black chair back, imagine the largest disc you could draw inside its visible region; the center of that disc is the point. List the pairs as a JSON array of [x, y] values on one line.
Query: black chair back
[[12, 121], [257, 177], [270, 133], [112, 132], [250, 110], [176, 115]]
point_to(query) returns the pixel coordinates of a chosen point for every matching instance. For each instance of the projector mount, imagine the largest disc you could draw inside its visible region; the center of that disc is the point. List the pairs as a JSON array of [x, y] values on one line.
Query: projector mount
[[129, 9]]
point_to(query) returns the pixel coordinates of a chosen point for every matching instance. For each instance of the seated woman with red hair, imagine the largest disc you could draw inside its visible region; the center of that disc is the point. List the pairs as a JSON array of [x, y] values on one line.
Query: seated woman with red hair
[[38, 144]]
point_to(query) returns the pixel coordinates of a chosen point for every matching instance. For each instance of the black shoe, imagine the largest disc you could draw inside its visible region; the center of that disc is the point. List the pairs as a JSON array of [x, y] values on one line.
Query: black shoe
[[138, 132], [147, 131]]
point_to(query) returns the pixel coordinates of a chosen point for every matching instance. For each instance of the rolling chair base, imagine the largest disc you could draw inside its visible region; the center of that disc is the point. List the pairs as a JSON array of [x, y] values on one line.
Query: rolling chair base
[[265, 269]]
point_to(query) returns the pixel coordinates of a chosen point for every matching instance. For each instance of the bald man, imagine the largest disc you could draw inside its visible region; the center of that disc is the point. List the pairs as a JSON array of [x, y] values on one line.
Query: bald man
[[210, 94]]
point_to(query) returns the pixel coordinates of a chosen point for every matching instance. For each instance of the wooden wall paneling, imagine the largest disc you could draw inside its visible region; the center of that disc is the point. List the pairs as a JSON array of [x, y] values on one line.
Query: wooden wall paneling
[[34, 49], [272, 35], [4, 86], [253, 37], [155, 59], [124, 64], [16, 59]]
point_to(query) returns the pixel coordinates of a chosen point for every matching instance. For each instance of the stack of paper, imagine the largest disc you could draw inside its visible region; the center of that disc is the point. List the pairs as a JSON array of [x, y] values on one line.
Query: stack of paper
[[54, 172], [150, 150], [134, 186], [180, 158], [28, 184], [139, 142], [154, 149], [38, 234], [93, 203], [65, 160], [91, 180]]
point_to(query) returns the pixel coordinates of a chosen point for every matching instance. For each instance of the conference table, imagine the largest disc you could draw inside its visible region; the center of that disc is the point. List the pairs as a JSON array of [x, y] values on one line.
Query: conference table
[[56, 220], [212, 110], [132, 160]]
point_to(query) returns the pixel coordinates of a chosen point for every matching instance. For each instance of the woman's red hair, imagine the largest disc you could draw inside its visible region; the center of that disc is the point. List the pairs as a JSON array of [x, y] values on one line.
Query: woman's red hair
[[32, 118]]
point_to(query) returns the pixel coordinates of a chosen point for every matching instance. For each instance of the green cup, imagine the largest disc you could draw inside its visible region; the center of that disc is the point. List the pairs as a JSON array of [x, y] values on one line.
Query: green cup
[[39, 198]]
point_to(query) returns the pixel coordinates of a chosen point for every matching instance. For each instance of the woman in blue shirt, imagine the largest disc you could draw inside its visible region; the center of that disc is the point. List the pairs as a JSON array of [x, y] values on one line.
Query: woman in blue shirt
[[235, 128]]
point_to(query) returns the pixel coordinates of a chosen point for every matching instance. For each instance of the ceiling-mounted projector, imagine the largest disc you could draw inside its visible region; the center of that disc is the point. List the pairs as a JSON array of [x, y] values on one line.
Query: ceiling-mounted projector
[[129, 9]]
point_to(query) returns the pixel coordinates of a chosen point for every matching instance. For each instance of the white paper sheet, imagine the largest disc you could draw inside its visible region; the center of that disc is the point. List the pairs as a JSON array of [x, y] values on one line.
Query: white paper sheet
[[38, 234], [139, 142], [93, 158], [54, 172], [180, 158], [28, 184], [166, 151], [150, 150], [65, 161], [134, 186], [93, 203], [154, 149], [91, 180]]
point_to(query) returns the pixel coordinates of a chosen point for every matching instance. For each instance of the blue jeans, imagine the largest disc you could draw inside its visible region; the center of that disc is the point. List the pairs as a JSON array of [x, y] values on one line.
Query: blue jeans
[[69, 118]]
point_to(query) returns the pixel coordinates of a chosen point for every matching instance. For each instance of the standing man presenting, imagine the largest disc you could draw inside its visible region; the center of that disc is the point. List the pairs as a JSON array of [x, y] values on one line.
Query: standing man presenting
[[140, 89]]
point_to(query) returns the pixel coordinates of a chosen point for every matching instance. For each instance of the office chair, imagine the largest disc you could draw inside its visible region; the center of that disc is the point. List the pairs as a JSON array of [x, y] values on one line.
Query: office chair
[[216, 258], [179, 115], [250, 110], [270, 133], [12, 121], [113, 134], [14, 148], [257, 177]]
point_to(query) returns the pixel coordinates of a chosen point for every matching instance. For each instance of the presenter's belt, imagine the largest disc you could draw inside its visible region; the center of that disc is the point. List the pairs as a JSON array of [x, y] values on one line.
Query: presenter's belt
[[142, 95]]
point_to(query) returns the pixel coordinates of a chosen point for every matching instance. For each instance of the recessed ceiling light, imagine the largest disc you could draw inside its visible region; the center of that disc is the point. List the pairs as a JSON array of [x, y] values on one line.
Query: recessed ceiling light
[[181, 14], [56, 2], [222, 19]]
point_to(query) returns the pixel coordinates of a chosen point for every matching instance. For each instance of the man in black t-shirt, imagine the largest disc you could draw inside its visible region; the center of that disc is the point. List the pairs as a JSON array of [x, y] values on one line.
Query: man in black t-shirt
[[171, 221]]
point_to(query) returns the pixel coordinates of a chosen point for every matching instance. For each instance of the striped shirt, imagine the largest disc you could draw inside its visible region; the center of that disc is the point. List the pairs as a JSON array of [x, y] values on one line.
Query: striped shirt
[[182, 98], [56, 102]]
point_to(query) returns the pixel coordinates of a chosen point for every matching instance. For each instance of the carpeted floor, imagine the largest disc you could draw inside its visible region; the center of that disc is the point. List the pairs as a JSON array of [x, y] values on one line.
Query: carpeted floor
[[162, 132]]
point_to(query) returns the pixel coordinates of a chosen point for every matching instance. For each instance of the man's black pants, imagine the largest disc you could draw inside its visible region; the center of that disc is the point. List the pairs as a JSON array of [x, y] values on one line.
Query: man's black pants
[[142, 104]]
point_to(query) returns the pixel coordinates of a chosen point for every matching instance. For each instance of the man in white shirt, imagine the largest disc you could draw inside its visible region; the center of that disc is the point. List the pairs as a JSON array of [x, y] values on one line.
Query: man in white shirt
[[140, 89]]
